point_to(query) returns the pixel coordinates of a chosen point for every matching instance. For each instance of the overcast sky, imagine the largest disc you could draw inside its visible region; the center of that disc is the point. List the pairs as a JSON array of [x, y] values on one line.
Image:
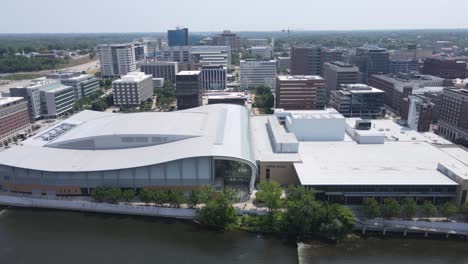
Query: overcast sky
[[51, 16]]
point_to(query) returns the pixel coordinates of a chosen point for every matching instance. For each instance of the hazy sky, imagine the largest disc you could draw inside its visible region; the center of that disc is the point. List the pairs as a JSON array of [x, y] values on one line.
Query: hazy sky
[[44, 16]]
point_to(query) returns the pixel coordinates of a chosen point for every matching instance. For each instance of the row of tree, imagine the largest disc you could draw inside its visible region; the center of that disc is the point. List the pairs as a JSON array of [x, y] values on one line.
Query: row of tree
[[407, 208], [13, 63]]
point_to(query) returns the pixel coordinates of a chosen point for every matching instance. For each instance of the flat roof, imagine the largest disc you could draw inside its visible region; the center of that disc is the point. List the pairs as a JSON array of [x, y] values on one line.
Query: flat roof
[[133, 77], [392, 163], [263, 149], [7, 100], [299, 77], [188, 73]]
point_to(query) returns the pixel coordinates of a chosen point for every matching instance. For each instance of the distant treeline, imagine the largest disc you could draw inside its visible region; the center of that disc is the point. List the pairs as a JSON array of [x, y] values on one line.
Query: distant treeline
[[12, 63]]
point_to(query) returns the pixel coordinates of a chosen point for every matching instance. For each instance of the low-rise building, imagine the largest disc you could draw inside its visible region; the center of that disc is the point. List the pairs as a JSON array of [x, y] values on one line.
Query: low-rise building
[[297, 92], [14, 117], [132, 89], [226, 98], [445, 68], [420, 110], [358, 100]]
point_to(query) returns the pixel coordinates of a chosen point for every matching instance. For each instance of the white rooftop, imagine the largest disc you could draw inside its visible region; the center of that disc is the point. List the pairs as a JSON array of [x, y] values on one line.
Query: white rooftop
[[299, 77], [188, 73], [94, 141], [8, 100], [392, 163], [133, 77]]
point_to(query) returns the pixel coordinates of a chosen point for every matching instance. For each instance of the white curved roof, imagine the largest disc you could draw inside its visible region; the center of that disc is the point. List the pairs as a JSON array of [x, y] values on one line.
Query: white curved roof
[[219, 130]]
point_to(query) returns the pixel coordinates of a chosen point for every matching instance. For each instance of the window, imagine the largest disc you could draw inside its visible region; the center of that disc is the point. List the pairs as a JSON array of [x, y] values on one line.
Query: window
[[267, 174]]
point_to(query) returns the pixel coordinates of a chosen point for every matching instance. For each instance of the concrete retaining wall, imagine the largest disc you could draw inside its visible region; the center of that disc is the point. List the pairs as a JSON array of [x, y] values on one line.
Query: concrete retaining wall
[[87, 206]]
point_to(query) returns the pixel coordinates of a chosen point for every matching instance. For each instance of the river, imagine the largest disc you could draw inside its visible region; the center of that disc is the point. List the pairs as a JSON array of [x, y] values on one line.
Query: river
[[46, 236]]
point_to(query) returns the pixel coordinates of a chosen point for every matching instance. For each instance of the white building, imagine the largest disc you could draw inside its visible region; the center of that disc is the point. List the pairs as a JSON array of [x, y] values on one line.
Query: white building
[[83, 84], [255, 73], [263, 52], [257, 42], [117, 59], [213, 77], [200, 55], [56, 99], [46, 98], [132, 89]]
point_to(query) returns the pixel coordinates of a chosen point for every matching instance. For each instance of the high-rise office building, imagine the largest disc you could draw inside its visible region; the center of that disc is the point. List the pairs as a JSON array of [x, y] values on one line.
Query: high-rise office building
[[178, 37], [262, 52], [371, 60], [196, 56], [227, 38], [116, 59], [306, 60], [254, 73], [453, 121], [14, 117], [337, 73], [358, 100], [445, 68], [213, 77], [300, 92], [188, 89], [161, 69], [132, 89]]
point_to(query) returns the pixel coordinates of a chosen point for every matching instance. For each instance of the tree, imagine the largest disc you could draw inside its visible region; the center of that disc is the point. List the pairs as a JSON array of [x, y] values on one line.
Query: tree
[[128, 195], [175, 198], [449, 209], [206, 193], [113, 195], [159, 197], [146, 196], [338, 223], [409, 208], [264, 98], [428, 209], [303, 213], [269, 193], [464, 211], [217, 212], [194, 198], [390, 208], [99, 106], [371, 208]]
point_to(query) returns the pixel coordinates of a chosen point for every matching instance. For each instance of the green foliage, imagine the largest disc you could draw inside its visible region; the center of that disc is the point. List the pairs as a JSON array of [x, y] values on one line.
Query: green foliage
[[13, 63], [99, 106], [339, 221], [409, 208], [464, 211], [166, 96], [107, 195], [371, 208], [390, 208], [449, 209], [128, 195], [146, 196], [303, 213], [428, 209], [206, 192], [269, 193], [264, 98], [194, 198], [218, 212], [175, 198]]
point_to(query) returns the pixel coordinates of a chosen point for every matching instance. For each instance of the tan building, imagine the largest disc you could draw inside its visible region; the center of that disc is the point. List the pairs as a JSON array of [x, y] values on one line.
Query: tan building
[[299, 92], [14, 117]]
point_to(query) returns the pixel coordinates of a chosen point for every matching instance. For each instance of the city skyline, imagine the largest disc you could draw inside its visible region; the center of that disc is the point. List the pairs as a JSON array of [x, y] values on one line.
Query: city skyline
[[43, 16]]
